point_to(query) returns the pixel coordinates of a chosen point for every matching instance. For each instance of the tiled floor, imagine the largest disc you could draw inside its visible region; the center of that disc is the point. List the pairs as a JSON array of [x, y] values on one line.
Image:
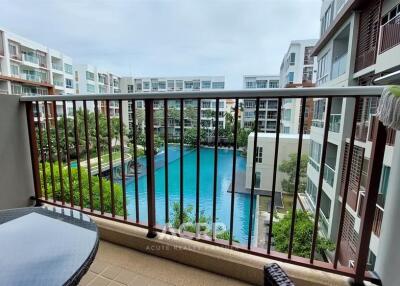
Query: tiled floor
[[115, 265]]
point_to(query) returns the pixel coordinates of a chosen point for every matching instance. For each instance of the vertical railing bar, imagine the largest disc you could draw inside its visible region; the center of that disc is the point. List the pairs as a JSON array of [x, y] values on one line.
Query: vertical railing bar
[[346, 181], [166, 161], [121, 136], [321, 178], [60, 169], [235, 127], [198, 134], [135, 166], [110, 156], [371, 197], [49, 146], [42, 151], [216, 130], [89, 169], [297, 177], [78, 159], [181, 164], [253, 173], [151, 203], [98, 147], [71, 189], [275, 170], [34, 152]]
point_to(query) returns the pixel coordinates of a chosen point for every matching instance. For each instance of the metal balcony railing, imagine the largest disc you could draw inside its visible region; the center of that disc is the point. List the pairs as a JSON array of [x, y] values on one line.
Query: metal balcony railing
[[59, 144], [390, 34]]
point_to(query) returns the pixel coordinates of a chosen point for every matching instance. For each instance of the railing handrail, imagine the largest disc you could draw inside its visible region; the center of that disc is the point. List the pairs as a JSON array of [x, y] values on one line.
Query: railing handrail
[[365, 91]]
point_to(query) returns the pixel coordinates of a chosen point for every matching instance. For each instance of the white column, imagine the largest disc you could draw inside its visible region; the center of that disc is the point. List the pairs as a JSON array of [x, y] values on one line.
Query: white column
[[388, 260]]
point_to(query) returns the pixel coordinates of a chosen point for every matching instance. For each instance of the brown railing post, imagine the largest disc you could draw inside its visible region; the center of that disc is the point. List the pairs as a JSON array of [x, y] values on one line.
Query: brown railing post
[[34, 152], [151, 202], [371, 197]]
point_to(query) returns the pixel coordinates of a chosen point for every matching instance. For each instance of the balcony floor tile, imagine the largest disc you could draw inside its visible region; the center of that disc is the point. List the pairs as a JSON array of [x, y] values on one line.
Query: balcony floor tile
[[120, 266]]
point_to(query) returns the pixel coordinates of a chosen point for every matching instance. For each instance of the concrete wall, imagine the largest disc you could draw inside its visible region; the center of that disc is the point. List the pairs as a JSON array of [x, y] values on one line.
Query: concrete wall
[[16, 180], [288, 144]]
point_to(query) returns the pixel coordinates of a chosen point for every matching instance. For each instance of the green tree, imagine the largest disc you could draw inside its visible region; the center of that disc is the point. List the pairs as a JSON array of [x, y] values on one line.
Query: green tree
[[190, 222], [289, 168], [106, 186], [242, 137], [303, 233]]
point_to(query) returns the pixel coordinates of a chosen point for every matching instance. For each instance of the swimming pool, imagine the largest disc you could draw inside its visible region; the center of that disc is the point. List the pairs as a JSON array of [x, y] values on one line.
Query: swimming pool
[[224, 177]]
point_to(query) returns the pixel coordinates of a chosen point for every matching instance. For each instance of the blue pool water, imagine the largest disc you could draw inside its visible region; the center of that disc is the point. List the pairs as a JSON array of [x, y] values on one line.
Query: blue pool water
[[224, 177]]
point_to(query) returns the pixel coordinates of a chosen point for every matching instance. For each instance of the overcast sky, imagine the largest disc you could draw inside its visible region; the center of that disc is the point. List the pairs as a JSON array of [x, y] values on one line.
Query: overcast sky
[[168, 37]]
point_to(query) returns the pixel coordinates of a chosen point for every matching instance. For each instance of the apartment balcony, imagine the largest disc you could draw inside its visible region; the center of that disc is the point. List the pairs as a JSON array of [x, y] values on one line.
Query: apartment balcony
[[140, 203], [57, 66], [390, 34], [30, 59], [58, 83]]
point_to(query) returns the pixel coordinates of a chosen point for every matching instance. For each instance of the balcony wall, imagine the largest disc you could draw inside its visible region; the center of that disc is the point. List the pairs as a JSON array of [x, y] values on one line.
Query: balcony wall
[[16, 174]]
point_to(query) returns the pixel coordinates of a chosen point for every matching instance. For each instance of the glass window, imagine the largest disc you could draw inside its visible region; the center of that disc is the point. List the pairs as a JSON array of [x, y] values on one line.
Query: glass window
[[272, 104], [249, 103], [162, 85], [286, 130], [311, 190], [130, 88], [259, 151], [290, 77], [14, 70], [257, 182], [69, 83], [384, 182], [68, 68], [89, 75], [308, 59], [218, 85], [170, 84], [325, 205], [251, 83], [307, 73], [292, 59], [273, 83], [196, 84], [315, 152], [188, 84], [261, 83], [287, 114], [146, 85], [206, 84], [322, 73], [179, 85]]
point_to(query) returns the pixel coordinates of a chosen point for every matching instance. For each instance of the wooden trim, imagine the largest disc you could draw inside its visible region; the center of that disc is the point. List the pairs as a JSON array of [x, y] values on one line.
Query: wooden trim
[[20, 80]]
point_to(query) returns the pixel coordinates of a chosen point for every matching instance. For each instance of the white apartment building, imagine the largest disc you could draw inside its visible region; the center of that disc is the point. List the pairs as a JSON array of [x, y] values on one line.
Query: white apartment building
[[178, 84], [268, 110], [30, 68], [288, 144], [355, 48], [298, 69], [91, 79]]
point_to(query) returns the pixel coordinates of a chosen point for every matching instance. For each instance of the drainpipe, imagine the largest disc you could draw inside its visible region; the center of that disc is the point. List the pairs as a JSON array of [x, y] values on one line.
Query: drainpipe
[[388, 260]]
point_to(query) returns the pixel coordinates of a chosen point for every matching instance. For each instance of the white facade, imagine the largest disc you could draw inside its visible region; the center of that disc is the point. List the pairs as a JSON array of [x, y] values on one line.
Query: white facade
[[288, 144], [91, 79], [268, 109]]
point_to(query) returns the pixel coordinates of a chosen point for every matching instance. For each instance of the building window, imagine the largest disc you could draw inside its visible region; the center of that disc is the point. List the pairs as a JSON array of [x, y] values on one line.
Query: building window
[[384, 182], [292, 59], [68, 83], [307, 73], [319, 109], [249, 103], [273, 83], [287, 114], [259, 151], [68, 68], [154, 84], [251, 83], [261, 83], [286, 130], [102, 89], [325, 205], [308, 59], [196, 85], [290, 77], [311, 190], [206, 84], [322, 74], [326, 19], [315, 153], [188, 84], [14, 70], [13, 49], [89, 75], [162, 85], [218, 85], [130, 88], [257, 182], [272, 104], [90, 88], [146, 85], [170, 84]]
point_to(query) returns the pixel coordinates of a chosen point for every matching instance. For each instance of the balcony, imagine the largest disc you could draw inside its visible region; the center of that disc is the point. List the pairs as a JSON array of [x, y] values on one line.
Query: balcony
[[390, 34], [58, 83], [139, 202], [30, 58], [57, 66]]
